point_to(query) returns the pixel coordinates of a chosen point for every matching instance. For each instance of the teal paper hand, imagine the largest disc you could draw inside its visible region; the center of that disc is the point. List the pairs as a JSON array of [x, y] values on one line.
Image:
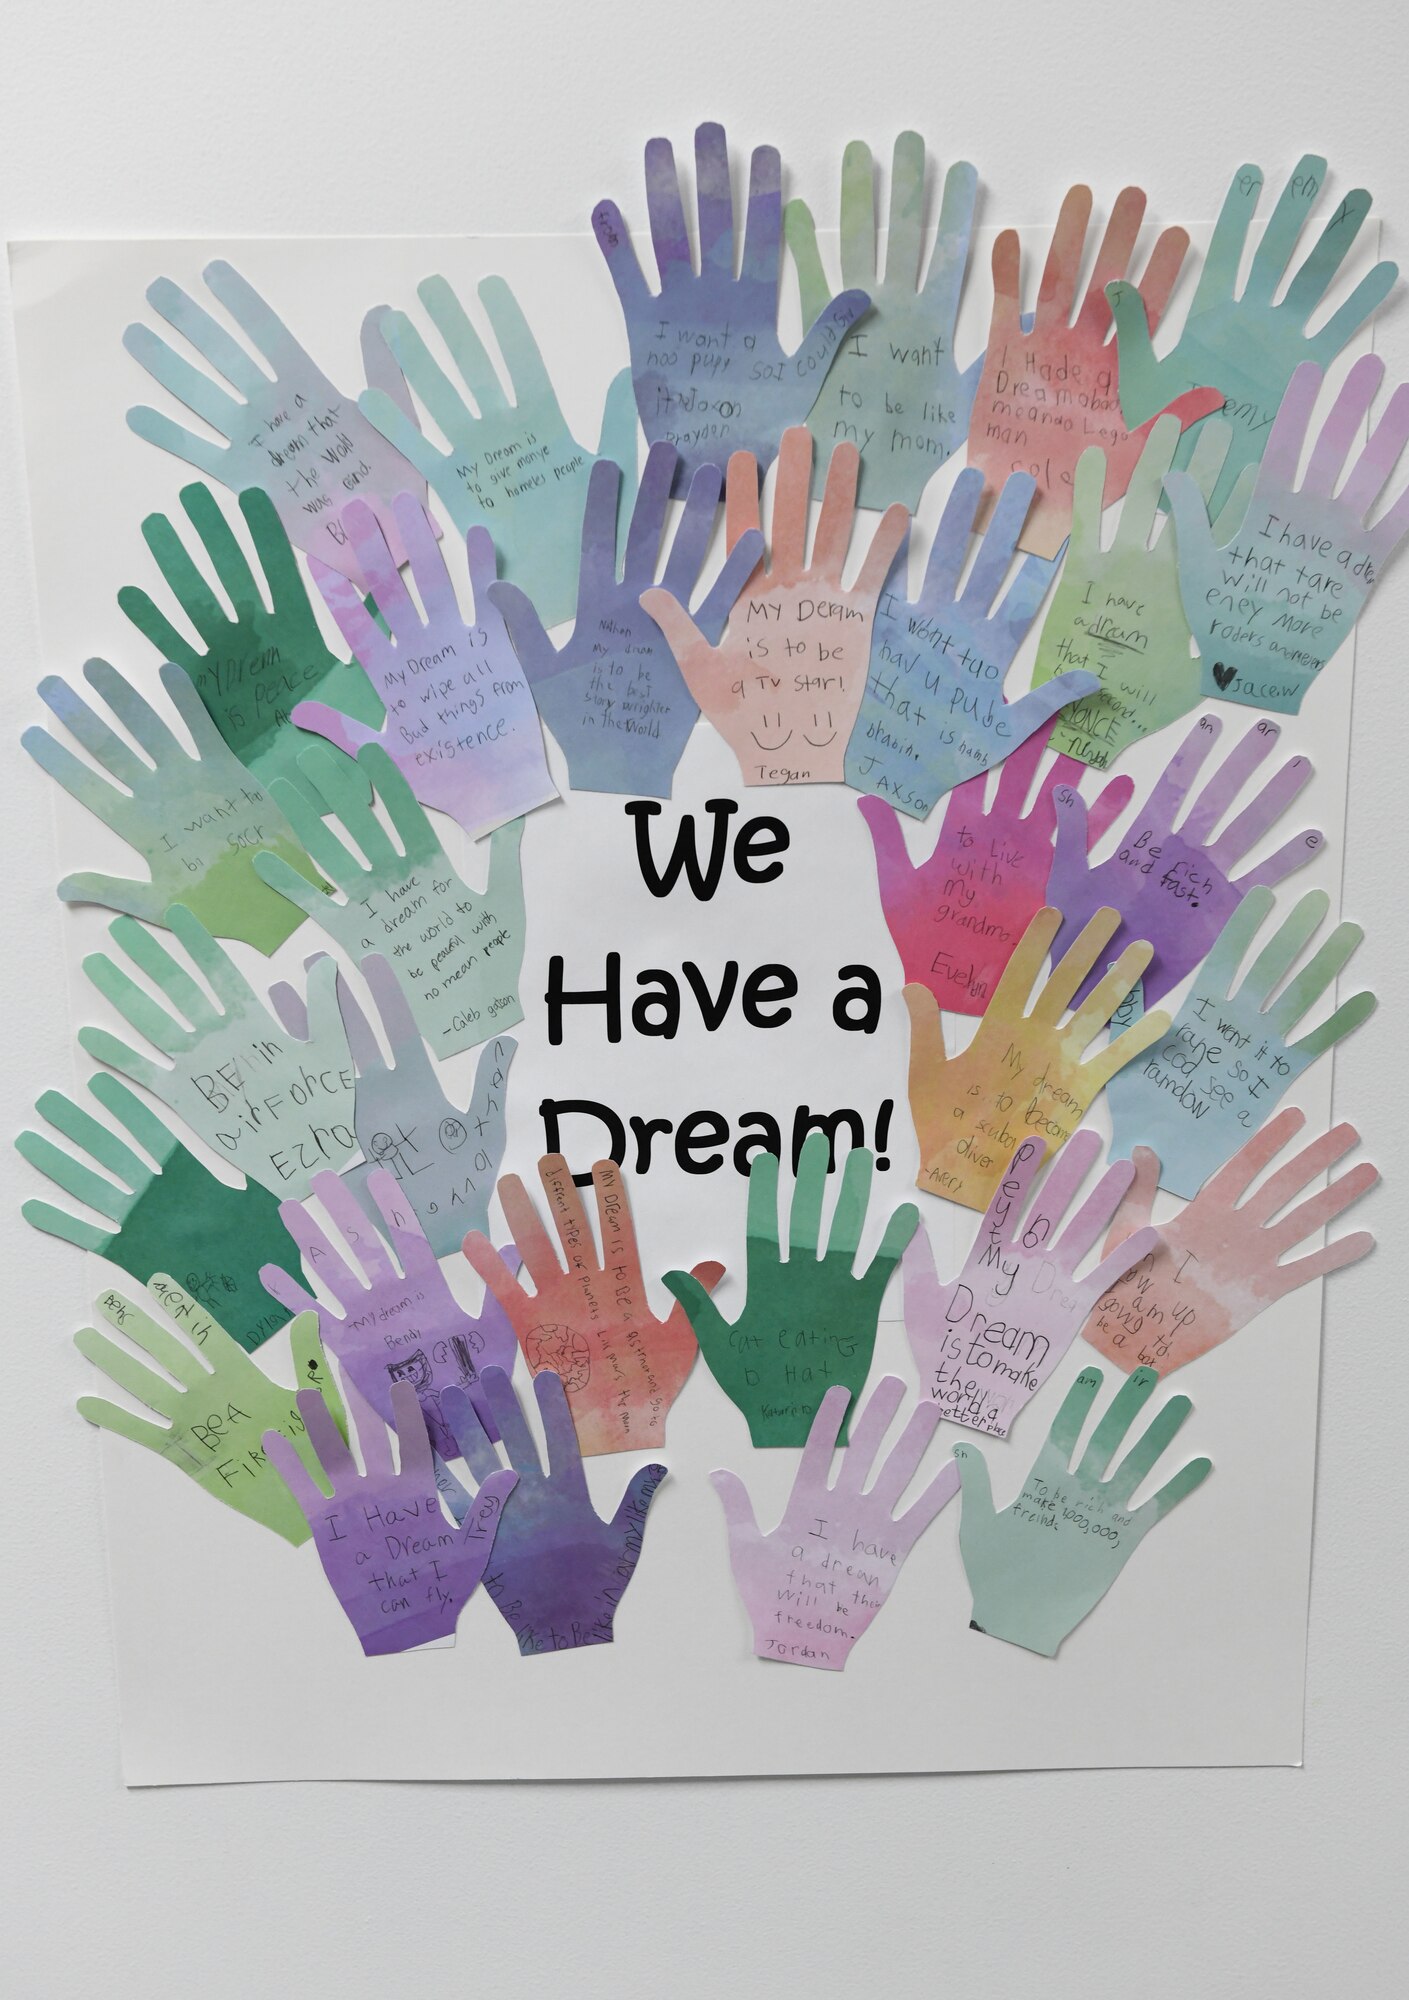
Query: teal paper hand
[[1040, 1566], [513, 467], [1269, 605], [895, 389], [172, 1216], [1247, 347], [295, 436], [267, 656], [457, 950], [197, 821]]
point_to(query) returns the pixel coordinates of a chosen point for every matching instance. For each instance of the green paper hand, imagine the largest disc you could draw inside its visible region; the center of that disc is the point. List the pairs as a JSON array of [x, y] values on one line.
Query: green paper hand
[[808, 1322], [217, 1404], [1040, 1566], [266, 657]]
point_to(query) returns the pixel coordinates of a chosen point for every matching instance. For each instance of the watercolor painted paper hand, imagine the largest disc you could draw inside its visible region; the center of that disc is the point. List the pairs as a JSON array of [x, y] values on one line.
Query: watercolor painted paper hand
[[784, 684], [1217, 1264], [1118, 612], [809, 1319], [985, 1344], [1247, 347], [895, 388], [292, 434], [253, 666], [612, 694], [814, 1585], [1025, 1074], [275, 1104], [167, 1212], [460, 722], [1174, 885], [709, 372], [1051, 389], [956, 918], [393, 1318], [400, 1569], [559, 1571], [197, 821], [1270, 604], [219, 1410], [1209, 1079], [512, 468], [456, 950], [592, 1324], [1038, 1568]]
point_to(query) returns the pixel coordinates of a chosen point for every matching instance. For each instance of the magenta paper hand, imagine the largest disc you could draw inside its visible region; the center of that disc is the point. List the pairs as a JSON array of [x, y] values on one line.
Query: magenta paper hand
[[812, 1586], [956, 918], [1176, 888], [986, 1343], [399, 1568]]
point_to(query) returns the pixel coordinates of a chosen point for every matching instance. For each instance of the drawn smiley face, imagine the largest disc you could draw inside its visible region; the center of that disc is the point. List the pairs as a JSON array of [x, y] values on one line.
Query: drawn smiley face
[[777, 723], [819, 722], [562, 1349]]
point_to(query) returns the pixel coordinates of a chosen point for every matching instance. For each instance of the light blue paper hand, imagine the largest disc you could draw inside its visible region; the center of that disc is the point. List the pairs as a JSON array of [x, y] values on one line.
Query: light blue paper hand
[[934, 712], [513, 467], [895, 388], [709, 371], [1247, 347], [1227, 1059], [612, 694]]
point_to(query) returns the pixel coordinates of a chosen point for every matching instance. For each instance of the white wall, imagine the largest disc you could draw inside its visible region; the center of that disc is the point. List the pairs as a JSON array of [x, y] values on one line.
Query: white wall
[[271, 117]]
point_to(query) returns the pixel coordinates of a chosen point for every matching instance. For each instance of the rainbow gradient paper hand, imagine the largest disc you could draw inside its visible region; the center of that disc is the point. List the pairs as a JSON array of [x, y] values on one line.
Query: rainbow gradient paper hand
[[895, 388], [709, 373], [1038, 1568], [621, 1368], [808, 1321], [986, 1343], [1048, 392], [784, 684], [812, 1587], [612, 694], [1023, 1075]]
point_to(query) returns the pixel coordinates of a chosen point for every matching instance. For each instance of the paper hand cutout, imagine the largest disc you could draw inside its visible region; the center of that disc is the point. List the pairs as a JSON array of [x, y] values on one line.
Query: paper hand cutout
[[444, 1159], [460, 722], [293, 435], [895, 387], [1047, 393], [934, 712], [559, 1571], [612, 694], [458, 950], [1023, 1075], [985, 1344], [784, 684], [1208, 1080], [1040, 1566], [513, 467], [274, 1104], [1118, 612], [1172, 886], [813, 1586], [621, 1368], [1270, 603], [197, 821], [707, 367], [400, 1570], [956, 918], [171, 1216], [1246, 348], [220, 1410], [260, 661], [808, 1321], [1217, 1265], [394, 1319]]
